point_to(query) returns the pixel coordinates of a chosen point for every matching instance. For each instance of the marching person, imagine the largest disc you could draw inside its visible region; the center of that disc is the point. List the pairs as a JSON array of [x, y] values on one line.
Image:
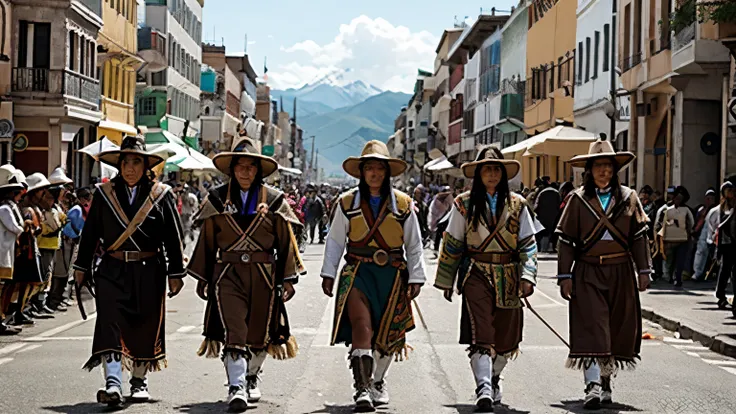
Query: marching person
[[246, 262], [489, 250], [384, 271], [130, 245], [726, 243], [603, 233], [28, 275], [11, 227]]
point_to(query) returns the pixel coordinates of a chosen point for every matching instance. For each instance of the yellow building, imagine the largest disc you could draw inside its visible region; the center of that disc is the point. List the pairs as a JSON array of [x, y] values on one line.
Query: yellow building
[[550, 71], [118, 62]]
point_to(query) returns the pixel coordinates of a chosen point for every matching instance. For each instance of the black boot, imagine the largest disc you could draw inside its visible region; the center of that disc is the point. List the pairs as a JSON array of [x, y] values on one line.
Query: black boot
[[363, 376], [6, 330]]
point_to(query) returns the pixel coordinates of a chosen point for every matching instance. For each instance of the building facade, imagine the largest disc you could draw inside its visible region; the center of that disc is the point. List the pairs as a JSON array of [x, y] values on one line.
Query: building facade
[[220, 100], [170, 43], [54, 83]]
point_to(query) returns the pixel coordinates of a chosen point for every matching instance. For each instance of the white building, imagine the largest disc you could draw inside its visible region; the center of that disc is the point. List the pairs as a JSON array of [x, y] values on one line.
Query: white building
[[593, 66]]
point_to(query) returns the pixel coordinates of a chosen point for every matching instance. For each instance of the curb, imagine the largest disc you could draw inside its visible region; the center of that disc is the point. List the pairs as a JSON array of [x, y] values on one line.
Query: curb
[[721, 344]]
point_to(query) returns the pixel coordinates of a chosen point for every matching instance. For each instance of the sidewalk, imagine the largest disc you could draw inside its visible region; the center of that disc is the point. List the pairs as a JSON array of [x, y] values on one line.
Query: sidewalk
[[692, 311]]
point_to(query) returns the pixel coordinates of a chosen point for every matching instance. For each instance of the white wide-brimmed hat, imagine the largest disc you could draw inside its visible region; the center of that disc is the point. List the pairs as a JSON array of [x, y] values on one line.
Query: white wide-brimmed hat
[[37, 181], [58, 177], [9, 178]]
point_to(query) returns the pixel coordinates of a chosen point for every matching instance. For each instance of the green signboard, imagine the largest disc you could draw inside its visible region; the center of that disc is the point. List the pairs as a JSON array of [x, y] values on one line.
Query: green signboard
[[268, 150]]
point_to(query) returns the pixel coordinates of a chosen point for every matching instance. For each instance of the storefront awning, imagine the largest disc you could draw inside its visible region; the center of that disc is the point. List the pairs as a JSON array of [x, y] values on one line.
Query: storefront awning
[[179, 155], [292, 171], [114, 131], [561, 141]]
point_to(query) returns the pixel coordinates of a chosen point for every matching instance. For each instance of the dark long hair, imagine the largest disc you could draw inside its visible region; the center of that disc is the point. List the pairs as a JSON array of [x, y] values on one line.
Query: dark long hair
[[589, 186], [365, 191], [478, 198]]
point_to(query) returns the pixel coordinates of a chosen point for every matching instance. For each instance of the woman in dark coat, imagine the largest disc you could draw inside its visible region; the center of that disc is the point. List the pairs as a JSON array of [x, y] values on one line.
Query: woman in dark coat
[[130, 269]]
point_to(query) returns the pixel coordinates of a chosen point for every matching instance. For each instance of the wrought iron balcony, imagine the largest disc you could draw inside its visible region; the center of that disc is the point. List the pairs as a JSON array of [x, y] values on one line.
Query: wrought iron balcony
[[37, 80], [82, 87], [631, 61]]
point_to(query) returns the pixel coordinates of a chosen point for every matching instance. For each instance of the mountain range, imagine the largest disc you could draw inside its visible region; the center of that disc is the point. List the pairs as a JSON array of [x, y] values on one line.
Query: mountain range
[[342, 114]]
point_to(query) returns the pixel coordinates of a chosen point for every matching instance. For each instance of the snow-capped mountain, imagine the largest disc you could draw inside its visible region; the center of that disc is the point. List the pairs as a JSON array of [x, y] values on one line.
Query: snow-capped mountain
[[336, 89]]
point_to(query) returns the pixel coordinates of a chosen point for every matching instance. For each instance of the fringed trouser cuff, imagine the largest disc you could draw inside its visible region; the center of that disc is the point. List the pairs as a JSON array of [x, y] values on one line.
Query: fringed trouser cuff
[[287, 350], [610, 365], [210, 348], [128, 362], [482, 350]]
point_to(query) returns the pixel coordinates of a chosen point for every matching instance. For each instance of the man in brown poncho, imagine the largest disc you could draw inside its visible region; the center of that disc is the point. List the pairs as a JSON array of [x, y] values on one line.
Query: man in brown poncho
[[603, 233]]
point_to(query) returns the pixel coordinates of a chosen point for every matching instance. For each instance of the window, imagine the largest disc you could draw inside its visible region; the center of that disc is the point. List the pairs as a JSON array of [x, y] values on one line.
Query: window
[[552, 77], [606, 46], [148, 106], [587, 59], [597, 41], [72, 50], [39, 45], [579, 57]]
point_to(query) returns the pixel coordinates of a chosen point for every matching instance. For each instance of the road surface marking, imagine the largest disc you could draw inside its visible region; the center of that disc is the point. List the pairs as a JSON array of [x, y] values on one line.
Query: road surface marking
[[678, 340], [4, 360], [185, 329], [729, 369], [325, 325], [690, 347], [28, 348], [58, 338], [550, 298], [693, 354], [65, 327], [720, 362], [11, 348]]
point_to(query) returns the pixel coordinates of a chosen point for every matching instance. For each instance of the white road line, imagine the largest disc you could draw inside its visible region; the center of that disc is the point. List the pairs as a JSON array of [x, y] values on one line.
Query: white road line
[[11, 348], [185, 329], [693, 354], [729, 369], [28, 348], [4, 360], [550, 298], [677, 340], [690, 347], [65, 327], [58, 338], [720, 362], [325, 325]]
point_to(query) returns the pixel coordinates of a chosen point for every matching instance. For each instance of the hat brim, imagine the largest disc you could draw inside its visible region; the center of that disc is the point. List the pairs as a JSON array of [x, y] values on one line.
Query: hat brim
[[40, 186], [623, 159], [12, 186], [512, 167], [113, 157], [352, 164], [224, 160]]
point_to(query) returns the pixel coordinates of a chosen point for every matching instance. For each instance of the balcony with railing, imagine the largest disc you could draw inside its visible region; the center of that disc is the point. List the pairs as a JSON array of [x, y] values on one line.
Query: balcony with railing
[[48, 83], [442, 89], [82, 87]]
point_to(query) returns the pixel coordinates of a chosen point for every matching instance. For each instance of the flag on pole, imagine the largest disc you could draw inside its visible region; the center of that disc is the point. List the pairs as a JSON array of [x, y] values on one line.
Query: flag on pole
[[265, 69]]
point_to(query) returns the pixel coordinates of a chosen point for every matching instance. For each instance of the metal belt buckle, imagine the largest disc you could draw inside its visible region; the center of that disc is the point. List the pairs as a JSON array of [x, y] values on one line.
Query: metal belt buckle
[[245, 258], [380, 257], [131, 256]]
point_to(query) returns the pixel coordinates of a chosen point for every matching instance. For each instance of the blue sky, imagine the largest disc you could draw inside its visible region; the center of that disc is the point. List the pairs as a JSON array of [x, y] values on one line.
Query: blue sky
[[383, 41]]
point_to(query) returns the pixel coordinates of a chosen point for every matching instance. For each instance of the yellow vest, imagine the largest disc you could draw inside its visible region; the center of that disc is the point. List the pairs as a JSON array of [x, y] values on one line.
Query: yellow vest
[[390, 229]]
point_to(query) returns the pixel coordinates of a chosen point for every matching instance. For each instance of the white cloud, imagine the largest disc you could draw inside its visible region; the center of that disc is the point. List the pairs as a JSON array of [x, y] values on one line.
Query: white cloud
[[378, 52], [251, 42]]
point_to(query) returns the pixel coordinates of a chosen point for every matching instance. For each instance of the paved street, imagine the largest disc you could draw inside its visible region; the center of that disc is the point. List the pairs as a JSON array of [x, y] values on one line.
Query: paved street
[[41, 370]]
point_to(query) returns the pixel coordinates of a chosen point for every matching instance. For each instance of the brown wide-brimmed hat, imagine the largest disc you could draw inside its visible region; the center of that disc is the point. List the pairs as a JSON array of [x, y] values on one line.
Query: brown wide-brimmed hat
[[601, 149], [487, 155], [131, 145], [374, 151], [243, 147]]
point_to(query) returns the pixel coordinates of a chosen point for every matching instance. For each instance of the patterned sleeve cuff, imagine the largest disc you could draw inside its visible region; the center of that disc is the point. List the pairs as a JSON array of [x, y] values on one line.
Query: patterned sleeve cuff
[[564, 276], [645, 272], [293, 279], [325, 275], [80, 268]]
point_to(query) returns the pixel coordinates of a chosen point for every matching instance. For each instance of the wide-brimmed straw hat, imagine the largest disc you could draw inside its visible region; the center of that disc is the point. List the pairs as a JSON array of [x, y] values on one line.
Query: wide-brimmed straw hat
[[9, 178], [37, 181], [601, 149], [487, 155], [374, 151], [58, 177], [131, 145], [244, 147]]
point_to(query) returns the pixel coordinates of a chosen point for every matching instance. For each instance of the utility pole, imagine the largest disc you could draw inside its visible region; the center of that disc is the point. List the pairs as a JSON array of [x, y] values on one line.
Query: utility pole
[[316, 166], [614, 63]]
